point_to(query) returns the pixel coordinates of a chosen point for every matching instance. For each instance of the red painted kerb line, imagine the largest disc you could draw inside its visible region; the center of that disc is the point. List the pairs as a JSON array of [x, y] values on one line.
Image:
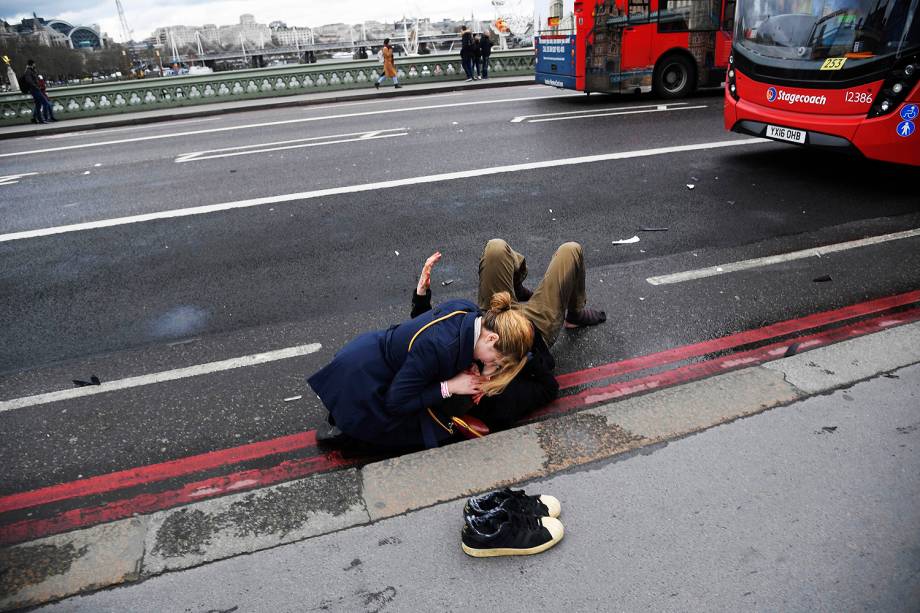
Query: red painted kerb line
[[782, 328], [197, 463], [246, 480], [32, 529]]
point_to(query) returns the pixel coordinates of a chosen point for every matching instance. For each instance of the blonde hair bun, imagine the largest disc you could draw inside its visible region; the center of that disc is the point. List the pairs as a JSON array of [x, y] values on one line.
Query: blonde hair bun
[[501, 301]]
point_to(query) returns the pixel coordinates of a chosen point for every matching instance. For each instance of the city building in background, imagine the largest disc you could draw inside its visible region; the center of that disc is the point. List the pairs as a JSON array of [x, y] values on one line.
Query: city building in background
[[55, 33]]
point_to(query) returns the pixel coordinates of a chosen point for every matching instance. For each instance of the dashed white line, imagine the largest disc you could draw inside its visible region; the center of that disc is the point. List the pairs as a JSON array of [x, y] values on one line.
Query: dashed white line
[[722, 269], [160, 377]]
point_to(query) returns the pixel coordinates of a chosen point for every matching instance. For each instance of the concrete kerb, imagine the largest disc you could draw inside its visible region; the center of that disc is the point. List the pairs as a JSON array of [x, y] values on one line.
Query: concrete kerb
[[138, 548], [218, 108]]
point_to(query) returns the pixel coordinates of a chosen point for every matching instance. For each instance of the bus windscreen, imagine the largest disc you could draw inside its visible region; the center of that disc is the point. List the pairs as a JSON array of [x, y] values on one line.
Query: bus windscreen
[[810, 30]]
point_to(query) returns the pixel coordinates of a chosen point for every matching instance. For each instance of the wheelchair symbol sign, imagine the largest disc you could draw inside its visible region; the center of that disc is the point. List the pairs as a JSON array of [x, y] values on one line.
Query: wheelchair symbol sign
[[910, 112]]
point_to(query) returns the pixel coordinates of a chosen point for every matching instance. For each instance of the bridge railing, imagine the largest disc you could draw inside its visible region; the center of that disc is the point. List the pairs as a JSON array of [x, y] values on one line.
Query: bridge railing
[[170, 92]]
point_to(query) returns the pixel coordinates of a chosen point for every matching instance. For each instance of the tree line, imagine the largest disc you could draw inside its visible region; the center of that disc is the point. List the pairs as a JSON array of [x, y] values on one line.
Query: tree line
[[61, 64]]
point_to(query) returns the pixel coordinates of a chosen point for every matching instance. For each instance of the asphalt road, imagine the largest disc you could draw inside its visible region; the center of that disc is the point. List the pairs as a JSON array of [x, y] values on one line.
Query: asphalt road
[[171, 292]]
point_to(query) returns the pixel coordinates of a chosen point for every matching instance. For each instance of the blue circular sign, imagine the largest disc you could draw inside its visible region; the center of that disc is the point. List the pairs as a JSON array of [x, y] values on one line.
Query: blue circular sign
[[906, 128], [909, 112]]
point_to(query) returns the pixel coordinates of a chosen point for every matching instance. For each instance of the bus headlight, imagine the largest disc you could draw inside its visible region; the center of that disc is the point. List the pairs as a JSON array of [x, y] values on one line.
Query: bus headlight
[[900, 81], [730, 78]]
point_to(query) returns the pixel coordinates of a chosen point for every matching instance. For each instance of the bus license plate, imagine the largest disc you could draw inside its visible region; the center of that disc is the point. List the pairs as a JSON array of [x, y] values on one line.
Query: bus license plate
[[788, 134]]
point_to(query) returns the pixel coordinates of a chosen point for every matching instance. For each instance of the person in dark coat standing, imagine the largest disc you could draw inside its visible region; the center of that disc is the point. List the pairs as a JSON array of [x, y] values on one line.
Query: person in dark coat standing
[[30, 85], [386, 388], [477, 58], [485, 49], [466, 52]]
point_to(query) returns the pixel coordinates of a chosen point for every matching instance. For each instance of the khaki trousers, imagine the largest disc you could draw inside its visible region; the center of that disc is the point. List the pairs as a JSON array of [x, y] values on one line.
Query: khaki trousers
[[501, 268]]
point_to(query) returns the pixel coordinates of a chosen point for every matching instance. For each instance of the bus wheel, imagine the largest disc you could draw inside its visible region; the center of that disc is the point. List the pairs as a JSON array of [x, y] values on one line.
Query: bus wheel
[[674, 77]]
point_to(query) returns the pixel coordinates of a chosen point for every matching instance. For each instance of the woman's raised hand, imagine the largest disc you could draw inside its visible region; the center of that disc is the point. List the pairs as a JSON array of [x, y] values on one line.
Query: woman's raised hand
[[465, 384], [424, 280]]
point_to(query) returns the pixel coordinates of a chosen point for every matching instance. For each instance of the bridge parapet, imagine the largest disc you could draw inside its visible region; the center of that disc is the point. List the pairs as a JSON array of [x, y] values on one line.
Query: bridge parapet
[[189, 90]]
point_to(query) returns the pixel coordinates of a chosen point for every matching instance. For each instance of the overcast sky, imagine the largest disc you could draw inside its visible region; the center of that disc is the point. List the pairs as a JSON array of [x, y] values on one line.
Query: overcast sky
[[144, 17]]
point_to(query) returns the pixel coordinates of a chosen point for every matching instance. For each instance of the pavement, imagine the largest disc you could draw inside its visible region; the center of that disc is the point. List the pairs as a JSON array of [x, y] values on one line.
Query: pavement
[[261, 104], [791, 485]]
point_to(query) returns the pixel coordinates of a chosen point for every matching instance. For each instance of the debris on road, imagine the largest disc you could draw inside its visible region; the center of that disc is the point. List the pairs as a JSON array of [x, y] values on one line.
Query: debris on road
[[626, 241], [93, 380], [822, 279], [652, 229], [396, 252], [446, 283], [293, 398], [690, 185]]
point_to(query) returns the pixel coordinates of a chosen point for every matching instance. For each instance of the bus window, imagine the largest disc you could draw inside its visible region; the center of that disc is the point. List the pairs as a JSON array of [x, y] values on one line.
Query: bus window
[[638, 11], [689, 15]]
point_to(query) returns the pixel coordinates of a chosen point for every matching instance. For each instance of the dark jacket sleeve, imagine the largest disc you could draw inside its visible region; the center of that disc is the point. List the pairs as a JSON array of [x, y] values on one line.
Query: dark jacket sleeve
[[416, 385], [533, 388], [28, 78], [420, 304]]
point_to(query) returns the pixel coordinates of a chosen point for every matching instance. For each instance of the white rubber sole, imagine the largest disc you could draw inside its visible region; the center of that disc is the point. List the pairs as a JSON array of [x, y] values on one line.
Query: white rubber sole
[[556, 530]]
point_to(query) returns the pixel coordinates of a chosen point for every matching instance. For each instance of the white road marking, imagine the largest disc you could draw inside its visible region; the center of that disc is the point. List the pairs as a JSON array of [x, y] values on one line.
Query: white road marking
[[521, 118], [366, 187], [315, 141], [281, 122], [148, 126], [160, 377], [658, 110], [13, 179], [722, 269], [604, 112]]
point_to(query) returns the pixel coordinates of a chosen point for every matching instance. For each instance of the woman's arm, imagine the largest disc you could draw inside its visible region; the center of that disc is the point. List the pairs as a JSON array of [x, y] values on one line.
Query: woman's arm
[[421, 299], [417, 385]]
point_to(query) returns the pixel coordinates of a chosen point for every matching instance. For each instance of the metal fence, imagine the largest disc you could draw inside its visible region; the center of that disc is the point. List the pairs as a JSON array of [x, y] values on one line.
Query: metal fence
[[171, 92]]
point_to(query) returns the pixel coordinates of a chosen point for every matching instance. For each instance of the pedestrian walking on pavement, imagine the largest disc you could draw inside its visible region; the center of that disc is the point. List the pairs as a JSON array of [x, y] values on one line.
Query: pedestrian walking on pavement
[[389, 65], [466, 52], [29, 81], [389, 388], [485, 50]]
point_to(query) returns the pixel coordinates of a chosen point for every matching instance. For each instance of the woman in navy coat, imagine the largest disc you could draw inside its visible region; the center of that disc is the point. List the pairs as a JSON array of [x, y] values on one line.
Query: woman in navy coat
[[385, 387]]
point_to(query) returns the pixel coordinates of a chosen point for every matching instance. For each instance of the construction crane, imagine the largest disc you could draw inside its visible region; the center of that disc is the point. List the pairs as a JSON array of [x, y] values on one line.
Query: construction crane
[[125, 29]]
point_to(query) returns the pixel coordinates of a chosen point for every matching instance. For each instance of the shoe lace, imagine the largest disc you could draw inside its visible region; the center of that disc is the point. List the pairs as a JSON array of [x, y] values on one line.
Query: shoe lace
[[521, 522]]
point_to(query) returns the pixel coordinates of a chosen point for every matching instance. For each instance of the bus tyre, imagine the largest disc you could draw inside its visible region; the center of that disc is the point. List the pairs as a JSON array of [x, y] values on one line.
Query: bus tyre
[[675, 77]]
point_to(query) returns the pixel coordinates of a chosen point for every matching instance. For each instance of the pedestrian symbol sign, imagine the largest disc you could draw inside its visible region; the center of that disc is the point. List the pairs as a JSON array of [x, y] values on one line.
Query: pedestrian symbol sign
[[910, 112], [906, 128]]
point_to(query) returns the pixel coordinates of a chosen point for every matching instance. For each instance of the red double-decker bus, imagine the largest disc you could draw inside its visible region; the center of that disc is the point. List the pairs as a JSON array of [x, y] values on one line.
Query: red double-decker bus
[[631, 46], [838, 74]]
